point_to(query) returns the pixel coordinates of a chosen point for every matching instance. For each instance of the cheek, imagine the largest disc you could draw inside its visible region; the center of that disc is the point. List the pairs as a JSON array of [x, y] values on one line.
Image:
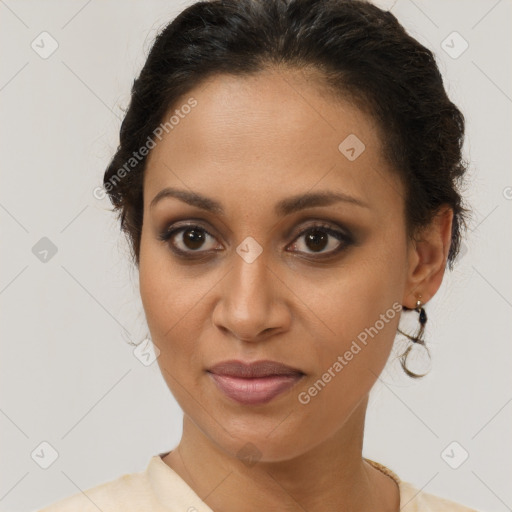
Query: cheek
[[359, 327], [359, 312], [173, 309], [358, 308], [171, 303]]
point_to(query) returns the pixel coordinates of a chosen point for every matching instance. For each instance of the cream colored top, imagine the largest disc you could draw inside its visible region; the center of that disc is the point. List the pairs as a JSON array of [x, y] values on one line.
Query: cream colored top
[[160, 489]]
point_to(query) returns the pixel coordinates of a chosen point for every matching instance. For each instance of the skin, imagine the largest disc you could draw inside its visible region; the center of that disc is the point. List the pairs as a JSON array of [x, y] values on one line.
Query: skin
[[249, 143]]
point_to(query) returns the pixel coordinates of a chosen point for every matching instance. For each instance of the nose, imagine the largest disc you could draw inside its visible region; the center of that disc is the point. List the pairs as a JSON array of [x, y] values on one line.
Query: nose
[[252, 303]]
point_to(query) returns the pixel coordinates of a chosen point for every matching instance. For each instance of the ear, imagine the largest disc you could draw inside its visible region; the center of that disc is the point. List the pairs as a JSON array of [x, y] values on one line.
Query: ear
[[427, 256]]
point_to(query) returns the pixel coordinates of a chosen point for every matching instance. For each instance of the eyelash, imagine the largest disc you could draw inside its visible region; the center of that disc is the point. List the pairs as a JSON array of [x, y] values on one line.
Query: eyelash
[[345, 239]]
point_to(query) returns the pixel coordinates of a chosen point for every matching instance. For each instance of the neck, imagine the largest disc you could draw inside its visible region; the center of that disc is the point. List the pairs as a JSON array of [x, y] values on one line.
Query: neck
[[332, 475]]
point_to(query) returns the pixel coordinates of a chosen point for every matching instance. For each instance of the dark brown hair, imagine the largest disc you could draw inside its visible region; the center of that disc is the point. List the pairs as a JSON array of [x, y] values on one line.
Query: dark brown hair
[[362, 53]]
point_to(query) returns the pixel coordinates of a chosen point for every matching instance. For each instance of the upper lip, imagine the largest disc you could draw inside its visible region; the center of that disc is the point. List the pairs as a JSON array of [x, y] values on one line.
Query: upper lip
[[256, 369]]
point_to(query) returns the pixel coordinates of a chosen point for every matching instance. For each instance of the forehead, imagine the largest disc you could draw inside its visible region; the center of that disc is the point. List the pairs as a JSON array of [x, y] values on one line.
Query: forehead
[[278, 132]]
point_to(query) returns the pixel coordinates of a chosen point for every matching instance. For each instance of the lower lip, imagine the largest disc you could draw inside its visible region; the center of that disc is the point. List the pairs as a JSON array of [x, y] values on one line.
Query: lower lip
[[254, 391]]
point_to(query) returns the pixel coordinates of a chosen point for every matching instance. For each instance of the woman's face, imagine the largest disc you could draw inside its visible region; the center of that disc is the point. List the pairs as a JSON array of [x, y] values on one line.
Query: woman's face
[[245, 284]]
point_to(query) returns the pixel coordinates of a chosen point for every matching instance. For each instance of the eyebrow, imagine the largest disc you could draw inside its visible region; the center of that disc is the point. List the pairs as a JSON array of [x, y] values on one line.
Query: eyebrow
[[284, 207]]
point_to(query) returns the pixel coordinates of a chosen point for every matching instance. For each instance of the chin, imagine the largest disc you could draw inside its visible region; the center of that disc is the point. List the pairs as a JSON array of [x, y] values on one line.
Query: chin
[[253, 442]]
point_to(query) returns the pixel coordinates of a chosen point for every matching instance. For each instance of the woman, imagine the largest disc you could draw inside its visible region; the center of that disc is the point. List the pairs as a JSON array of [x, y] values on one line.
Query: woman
[[287, 176]]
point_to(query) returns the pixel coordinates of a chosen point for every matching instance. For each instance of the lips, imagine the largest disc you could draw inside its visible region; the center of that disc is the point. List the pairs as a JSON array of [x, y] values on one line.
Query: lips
[[254, 383], [253, 370]]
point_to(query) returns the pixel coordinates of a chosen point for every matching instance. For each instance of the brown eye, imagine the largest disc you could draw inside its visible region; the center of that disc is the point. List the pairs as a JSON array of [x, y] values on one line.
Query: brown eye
[[193, 238], [319, 238], [316, 240], [187, 240]]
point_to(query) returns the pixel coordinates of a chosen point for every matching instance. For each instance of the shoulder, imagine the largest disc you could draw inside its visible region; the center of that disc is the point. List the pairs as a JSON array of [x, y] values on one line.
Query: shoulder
[[413, 499], [127, 493], [157, 488]]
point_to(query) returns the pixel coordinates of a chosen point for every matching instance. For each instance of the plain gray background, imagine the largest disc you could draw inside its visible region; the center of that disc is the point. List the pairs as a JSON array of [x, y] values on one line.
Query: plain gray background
[[68, 376]]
